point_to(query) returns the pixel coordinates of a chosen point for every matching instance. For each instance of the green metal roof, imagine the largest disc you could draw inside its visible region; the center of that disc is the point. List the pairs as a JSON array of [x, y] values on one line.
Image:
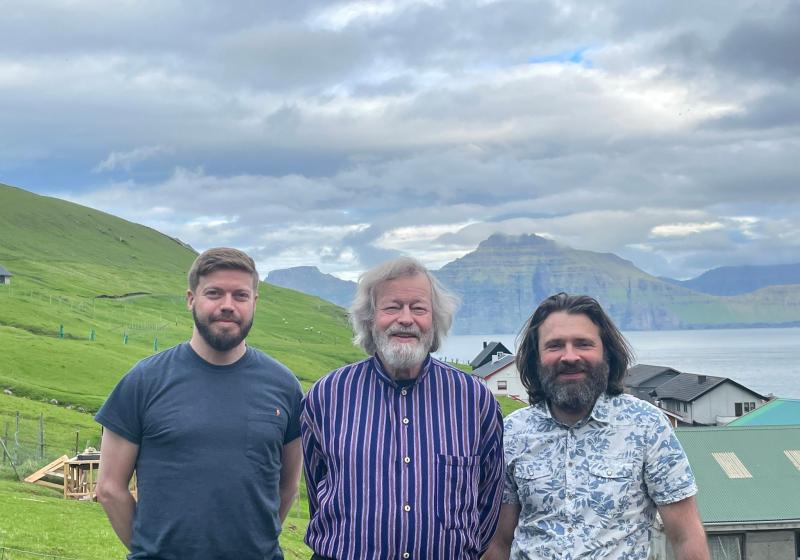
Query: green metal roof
[[777, 412], [771, 493]]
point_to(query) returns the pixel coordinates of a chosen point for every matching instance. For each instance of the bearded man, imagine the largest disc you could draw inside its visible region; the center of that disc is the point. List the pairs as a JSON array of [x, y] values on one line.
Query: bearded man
[[403, 453], [587, 466], [212, 429]]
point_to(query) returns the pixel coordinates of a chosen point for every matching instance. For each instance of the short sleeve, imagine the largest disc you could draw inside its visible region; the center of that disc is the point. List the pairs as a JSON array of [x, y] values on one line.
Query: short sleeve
[[122, 412], [668, 476], [510, 491], [293, 427]]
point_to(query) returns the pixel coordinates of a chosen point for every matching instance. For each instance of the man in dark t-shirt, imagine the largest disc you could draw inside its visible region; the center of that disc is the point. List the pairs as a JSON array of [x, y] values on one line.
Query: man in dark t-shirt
[[211, 427]]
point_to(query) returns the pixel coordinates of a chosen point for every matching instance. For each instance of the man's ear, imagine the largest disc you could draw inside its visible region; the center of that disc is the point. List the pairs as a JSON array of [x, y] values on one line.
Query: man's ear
[[189, 299]]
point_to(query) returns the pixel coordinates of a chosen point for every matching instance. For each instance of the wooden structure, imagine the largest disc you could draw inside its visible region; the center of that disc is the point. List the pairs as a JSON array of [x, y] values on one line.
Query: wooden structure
[[80, 475], [76, 477]]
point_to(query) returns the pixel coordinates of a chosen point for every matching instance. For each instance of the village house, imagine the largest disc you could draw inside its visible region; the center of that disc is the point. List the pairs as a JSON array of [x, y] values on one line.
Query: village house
[[698, 399], [501, 377], [707, 400], [491, 351], [749, 481], [5, 276]]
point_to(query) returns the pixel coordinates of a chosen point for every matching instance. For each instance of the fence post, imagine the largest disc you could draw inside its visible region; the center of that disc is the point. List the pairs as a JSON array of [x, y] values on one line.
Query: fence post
[[15, 458], [77, 434], [5, 438], [41, 436]]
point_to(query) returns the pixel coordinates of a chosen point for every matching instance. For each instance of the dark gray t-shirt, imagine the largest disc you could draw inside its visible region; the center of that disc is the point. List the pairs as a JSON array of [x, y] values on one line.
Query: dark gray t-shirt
[[210, 443]]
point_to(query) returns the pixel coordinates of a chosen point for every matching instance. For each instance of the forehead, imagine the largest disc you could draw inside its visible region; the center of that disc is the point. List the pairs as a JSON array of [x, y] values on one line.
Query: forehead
[[415, 287], [228, 279], [567, 326]]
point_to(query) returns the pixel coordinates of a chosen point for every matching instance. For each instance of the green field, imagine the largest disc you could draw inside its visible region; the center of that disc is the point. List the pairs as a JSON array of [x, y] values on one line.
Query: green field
[[90, 295]]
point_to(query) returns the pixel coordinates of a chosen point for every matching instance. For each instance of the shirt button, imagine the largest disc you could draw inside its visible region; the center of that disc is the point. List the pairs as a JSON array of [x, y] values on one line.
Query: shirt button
[[404, 392], [406, 507], [405, 420], [609, 472], [406, 555], [406, 460]]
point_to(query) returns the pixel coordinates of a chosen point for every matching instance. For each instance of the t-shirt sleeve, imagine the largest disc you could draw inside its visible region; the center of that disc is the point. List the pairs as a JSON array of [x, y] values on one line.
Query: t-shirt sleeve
[[293, 427], [122, 411], [668, 476]]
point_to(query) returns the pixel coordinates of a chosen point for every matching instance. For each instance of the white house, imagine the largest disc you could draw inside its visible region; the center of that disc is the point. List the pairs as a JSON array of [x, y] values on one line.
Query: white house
[[707, 400], [502, 377]]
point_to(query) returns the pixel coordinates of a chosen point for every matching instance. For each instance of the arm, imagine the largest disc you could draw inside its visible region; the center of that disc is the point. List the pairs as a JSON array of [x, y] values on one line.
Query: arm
[[684, 530], [314, 465], [117, 461], [500, 547], [490, 486], [291, 462]]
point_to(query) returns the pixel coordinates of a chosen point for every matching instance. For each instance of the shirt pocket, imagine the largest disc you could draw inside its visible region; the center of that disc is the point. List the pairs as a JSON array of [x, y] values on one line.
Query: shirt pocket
[[456, 491], [536, 484], [264, 444], [610, 486]]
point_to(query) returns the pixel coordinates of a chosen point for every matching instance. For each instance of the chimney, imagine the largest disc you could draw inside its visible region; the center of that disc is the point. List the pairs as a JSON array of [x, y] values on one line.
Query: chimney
[[485, 344], [701, 379]]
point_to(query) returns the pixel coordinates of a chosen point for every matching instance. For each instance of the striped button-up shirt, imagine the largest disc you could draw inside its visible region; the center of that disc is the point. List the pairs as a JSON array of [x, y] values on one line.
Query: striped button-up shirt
[[399, 472]]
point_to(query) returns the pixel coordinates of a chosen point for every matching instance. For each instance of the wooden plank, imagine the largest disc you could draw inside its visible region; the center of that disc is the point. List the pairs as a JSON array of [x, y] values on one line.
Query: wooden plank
[[44, 470], [53, 485]]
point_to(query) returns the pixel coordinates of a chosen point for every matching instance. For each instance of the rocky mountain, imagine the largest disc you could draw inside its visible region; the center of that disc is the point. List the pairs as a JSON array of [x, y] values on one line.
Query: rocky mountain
[[309, 280], [734, 280], [506, 277]]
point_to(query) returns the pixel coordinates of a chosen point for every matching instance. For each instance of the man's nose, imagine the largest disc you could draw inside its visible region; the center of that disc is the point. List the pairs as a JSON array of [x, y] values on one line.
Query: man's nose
[[569, 354], [405, 317]]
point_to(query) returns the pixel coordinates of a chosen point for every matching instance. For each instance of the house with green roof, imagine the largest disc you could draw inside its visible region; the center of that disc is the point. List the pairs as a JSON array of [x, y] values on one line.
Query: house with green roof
[[749, 490], [777, 412]]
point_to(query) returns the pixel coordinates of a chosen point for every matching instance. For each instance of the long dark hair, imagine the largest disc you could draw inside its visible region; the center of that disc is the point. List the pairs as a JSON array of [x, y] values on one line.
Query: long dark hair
[[618, 353]]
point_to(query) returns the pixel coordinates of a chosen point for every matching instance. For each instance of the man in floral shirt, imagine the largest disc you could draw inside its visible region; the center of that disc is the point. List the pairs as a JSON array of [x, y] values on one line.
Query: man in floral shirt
[[587, 466]]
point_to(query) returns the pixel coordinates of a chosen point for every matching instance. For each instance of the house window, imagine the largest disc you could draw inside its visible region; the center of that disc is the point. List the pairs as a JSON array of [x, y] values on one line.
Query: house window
[[743, 407], [727, 547], [686, 407], [502, 385]]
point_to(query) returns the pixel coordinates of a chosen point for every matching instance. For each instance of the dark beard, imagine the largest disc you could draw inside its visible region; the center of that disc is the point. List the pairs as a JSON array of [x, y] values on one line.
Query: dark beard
[[224, 341], [574, 396]]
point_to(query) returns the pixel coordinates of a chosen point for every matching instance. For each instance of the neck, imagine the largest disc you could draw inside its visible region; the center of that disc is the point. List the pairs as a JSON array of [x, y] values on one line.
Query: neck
[[568, 417], [215, 357]]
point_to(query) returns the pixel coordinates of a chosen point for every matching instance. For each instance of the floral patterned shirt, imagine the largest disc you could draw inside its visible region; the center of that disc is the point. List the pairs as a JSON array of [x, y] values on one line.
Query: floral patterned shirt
[[591, 490]]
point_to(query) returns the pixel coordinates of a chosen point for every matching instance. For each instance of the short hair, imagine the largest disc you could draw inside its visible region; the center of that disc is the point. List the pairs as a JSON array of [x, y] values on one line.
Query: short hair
[[362, 312], [221, 258], [616, 350]]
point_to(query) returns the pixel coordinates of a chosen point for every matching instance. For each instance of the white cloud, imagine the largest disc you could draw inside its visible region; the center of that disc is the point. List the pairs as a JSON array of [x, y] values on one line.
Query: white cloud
[[126, 160]]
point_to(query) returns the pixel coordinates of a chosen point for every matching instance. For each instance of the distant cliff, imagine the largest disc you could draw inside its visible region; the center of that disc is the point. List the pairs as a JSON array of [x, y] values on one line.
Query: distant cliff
[[734, 280], [506, 277], [309, 280]]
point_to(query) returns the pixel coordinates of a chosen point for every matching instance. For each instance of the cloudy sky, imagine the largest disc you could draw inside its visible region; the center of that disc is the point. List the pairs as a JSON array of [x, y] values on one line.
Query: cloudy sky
[[341, 133]]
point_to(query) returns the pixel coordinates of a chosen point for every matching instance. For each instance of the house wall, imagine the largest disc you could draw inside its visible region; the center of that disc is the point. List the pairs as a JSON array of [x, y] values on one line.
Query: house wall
[[719, 402], [510, 375], [5, 280], [758, 545], [770, 545]]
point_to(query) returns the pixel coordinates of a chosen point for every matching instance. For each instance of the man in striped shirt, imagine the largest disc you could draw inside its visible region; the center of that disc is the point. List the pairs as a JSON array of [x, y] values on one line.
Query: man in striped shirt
[[403, 453]]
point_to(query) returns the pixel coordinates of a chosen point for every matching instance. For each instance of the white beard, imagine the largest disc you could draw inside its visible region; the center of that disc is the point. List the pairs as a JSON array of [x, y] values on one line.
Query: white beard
[[402, 355]]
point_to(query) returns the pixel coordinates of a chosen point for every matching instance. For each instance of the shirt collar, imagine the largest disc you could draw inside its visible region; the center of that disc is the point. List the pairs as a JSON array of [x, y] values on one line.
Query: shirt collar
[[380, 370], [601, 411]]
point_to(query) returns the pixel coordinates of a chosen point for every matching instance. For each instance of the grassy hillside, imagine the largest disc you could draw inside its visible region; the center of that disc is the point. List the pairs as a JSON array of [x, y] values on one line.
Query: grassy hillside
[[90, 295], [72, 269]]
